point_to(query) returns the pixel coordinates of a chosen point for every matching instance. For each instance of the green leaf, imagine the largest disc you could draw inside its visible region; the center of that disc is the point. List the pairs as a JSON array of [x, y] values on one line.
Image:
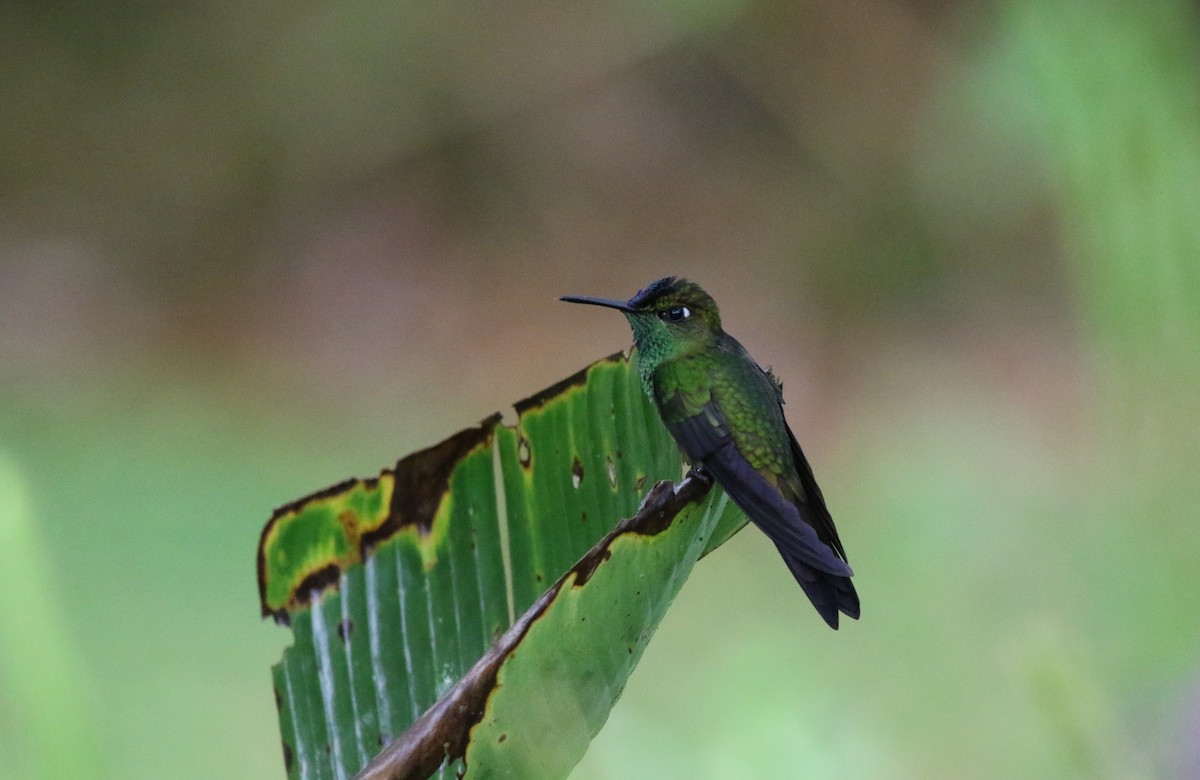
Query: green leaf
[[398, 587]]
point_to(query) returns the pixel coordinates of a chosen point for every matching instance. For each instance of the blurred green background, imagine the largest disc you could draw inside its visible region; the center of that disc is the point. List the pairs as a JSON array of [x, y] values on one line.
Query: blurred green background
[[250, 249]]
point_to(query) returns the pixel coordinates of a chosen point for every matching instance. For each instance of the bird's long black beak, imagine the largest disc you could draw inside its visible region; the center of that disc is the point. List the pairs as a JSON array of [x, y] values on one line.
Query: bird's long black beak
[[607, 302]]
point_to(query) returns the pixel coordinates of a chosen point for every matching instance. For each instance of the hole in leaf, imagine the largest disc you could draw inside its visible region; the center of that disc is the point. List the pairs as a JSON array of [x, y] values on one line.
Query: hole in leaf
[[523, 453]]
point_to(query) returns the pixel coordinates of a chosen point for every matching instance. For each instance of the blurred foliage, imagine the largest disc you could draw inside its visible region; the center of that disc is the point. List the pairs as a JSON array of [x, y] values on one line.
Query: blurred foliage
[[247, 249], [48, 733]]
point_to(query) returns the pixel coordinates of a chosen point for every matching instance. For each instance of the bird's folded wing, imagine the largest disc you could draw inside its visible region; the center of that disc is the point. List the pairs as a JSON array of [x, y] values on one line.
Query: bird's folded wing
[[812, 503], [705, 439]]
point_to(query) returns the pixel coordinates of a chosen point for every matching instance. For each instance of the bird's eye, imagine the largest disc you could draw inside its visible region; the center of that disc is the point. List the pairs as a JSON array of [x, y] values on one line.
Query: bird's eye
[[676, 313]]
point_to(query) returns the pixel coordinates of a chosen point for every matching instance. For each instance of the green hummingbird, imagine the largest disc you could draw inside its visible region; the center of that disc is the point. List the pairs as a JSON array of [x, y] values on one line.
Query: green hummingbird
[[726, 414]]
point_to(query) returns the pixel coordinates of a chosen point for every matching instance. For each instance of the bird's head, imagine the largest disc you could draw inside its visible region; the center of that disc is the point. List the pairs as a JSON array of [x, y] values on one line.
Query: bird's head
[[670, 316]]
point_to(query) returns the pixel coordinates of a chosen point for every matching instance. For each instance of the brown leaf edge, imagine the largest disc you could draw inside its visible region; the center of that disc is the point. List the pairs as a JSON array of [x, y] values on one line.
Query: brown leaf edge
[[443, 731], [422, 479]]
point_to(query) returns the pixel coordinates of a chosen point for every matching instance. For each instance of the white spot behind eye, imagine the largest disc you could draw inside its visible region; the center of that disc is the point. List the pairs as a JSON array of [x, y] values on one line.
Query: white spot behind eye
[[686, 312]]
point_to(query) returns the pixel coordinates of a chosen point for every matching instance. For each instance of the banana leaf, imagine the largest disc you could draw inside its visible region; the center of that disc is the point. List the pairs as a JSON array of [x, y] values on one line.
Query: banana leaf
[[477, 609]]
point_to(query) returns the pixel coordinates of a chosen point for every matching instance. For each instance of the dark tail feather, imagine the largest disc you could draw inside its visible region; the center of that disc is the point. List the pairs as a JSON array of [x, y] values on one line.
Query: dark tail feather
[[829, 593]]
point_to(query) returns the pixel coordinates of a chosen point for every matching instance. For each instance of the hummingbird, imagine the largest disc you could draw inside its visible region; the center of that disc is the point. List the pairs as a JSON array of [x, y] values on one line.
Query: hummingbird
[[726, 414]]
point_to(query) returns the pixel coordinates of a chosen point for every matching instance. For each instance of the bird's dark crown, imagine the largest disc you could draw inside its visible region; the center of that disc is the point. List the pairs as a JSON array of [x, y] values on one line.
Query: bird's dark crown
[[673, 291]]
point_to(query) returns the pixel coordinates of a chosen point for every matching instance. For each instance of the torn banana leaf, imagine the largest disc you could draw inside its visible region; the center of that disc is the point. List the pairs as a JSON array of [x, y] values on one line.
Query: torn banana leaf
[[397, 586]]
